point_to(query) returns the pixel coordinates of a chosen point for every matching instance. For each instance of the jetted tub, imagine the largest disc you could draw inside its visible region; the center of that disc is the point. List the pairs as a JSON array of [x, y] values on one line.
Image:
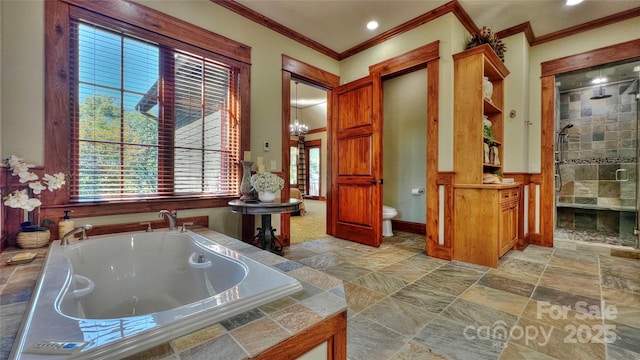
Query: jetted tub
[[126, 292]]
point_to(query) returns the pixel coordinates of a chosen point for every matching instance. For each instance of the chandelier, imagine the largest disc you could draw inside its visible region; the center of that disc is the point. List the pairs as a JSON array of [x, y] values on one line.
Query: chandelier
[[297, 128]]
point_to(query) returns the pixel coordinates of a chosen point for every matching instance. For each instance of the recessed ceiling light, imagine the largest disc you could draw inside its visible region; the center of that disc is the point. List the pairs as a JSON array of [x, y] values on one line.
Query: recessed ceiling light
[[573, 2], [372, 25]]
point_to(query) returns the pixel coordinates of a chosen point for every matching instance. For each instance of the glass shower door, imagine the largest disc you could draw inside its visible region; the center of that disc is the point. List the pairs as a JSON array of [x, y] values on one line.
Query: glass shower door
[[597, 156]]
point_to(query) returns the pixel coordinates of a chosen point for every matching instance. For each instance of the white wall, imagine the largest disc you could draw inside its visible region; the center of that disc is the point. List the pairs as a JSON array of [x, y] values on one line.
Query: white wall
[[516, 98], [22, 109], [404, 149]]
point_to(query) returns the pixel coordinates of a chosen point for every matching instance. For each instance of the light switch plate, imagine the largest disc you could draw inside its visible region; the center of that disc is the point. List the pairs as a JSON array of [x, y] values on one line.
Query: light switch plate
[[273, 165]]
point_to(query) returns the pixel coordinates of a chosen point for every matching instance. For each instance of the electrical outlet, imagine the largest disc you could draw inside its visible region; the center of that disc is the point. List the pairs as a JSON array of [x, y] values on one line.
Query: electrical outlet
[[273, 165]]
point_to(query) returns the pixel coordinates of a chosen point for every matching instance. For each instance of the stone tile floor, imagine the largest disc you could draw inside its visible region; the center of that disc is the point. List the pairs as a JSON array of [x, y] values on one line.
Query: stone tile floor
[[541, 303]]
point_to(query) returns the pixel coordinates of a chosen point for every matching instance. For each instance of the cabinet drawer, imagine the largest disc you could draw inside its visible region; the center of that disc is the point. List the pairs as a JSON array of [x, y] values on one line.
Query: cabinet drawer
[[509, 195]]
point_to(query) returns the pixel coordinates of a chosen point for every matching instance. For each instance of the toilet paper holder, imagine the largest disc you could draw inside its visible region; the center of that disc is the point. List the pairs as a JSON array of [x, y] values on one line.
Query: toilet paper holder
[[417, 191]]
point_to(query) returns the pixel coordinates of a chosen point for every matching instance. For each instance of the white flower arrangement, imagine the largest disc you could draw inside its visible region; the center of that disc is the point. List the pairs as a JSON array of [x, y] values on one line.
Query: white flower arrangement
[[267, 181], [20, 199]]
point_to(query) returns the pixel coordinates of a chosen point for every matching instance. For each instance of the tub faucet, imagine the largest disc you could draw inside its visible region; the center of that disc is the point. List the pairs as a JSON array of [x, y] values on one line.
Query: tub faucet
[[172, 216], [79, 229]]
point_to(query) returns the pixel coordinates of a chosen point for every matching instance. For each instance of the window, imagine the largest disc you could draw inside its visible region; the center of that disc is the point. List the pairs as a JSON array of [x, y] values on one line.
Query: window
[[151, 120], [154, 112], [293, 165]]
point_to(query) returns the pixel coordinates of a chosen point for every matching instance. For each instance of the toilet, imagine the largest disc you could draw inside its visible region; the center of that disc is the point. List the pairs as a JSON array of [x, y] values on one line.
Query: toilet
[[388, 213]]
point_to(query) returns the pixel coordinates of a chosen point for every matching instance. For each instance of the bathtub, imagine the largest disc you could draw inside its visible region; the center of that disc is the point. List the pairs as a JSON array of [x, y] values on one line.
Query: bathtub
[[116, 295]]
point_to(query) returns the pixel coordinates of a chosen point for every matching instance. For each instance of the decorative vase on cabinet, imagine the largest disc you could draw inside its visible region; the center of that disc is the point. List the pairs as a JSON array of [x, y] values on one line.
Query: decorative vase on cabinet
[[487, 89]]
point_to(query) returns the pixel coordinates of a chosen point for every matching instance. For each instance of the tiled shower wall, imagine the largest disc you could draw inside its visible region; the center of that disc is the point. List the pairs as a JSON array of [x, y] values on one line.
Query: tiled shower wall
[[602, 140]]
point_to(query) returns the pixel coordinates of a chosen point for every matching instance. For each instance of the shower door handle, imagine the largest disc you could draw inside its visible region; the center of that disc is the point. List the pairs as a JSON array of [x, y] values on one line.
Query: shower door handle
[[622, 175], [556, 182]]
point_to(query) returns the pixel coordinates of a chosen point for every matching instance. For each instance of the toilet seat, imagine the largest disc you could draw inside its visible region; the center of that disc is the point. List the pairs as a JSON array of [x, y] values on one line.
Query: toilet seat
[[388, 211]]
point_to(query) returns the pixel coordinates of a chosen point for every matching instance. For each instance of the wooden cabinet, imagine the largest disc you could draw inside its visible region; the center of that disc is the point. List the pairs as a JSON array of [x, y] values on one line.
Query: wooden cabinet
[[470, 67], [485, 215], [508, 220], [485, 222]]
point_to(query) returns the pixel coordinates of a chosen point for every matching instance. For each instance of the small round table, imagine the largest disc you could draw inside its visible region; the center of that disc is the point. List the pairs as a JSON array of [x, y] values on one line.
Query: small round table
[[265, 238]]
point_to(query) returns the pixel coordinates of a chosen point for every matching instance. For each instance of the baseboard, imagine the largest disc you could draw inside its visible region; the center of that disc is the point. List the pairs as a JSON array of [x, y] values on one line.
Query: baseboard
[[410, 227]]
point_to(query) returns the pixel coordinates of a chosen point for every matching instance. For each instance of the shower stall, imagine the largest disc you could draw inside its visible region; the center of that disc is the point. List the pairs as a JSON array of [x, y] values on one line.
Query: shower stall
[[596, 154]]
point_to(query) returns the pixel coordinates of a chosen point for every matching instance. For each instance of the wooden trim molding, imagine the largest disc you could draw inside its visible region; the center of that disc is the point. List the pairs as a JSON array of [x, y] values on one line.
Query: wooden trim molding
[[547, 202], [309, 72], [601, 56], [434, 248], [275, 26], [524, 27], [409, 226], [424, 56], [407, 62], [452, 6], [137, 226], [57, 44], [317, 131], [292, 68], [166, 25], [332, 330], [594, 24]]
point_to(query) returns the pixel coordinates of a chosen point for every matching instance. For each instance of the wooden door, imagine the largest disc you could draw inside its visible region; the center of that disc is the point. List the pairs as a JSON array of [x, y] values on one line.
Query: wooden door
[[356, 162]]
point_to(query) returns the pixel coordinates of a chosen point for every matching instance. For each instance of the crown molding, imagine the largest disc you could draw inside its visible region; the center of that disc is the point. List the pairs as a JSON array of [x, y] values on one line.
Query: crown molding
[[451, 7], [533, 40], [607, 20], [275, 26], [524, 28]]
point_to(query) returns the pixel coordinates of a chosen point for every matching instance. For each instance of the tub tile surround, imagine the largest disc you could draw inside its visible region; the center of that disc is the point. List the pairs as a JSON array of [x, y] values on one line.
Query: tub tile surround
[[406, 305], [240, 337]]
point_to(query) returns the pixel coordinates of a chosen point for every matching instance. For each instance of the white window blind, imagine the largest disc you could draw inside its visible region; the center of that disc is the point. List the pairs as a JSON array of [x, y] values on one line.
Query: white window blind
[[150, 120]]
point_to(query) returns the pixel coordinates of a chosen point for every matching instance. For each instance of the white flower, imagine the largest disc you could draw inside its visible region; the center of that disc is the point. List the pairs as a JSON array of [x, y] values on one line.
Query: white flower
[[17, 165], [26, 176], [20, 198], [267, 182], [54, 182], [37, 187]]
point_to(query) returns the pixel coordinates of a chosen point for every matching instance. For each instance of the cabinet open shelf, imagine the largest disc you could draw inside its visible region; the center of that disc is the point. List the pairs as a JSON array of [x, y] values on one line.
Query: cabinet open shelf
[[490, 108], [491, 142], [485, 216]]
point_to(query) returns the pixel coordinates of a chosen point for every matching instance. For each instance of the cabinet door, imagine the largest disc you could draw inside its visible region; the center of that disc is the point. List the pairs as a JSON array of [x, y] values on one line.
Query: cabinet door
[[508, 224], [504, 231]]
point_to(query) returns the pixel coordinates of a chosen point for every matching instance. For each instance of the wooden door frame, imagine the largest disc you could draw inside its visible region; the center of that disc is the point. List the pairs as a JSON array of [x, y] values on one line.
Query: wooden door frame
[[549, 69], [296, 69], [427, 56]]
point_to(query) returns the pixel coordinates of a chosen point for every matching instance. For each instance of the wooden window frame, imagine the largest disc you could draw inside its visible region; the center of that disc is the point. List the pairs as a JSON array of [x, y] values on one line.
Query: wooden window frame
[[307, 146], [57, 126]]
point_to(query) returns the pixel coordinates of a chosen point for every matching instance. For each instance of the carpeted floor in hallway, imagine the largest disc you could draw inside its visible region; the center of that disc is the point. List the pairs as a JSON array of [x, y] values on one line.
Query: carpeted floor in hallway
[[312, 225]]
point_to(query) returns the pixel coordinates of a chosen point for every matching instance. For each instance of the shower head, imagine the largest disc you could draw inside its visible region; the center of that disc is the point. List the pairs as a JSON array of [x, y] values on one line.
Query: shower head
[[599, 94], [564, 129]]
